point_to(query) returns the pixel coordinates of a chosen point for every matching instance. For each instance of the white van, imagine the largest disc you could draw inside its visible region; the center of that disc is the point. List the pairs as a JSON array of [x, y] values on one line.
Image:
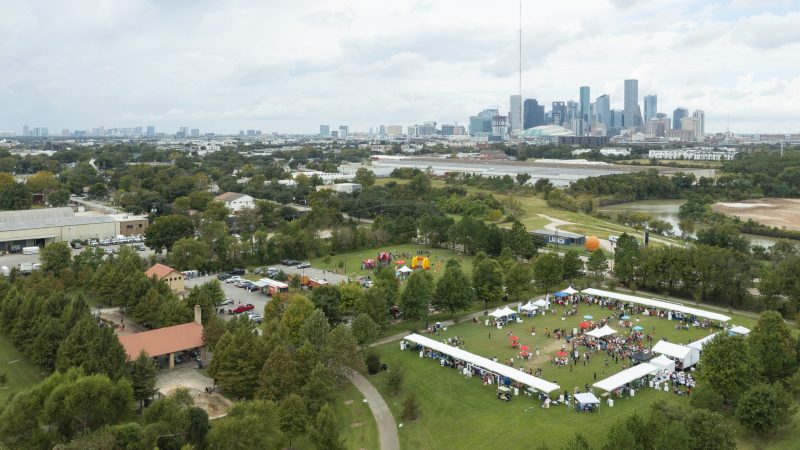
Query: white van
[[30, 250]]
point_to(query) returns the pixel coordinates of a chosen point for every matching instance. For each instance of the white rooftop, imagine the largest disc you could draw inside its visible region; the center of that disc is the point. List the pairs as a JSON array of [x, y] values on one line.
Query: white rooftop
[[657, 304], [626, 376], [673, 350]]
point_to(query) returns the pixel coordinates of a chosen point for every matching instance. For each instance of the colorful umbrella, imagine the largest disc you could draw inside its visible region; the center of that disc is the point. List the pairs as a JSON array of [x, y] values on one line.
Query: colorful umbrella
[[524, 348], [400, 262], [561, 354], [513, 338], [588, 317], [637, 328], [585, 325], [626, 317]]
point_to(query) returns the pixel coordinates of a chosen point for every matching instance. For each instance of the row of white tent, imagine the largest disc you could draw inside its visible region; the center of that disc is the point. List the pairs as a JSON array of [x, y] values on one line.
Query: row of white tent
[[667, 306], [484, 363]]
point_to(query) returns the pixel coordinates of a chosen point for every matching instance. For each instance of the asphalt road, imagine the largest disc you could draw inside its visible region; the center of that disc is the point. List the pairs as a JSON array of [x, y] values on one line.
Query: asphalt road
[[313, 273]]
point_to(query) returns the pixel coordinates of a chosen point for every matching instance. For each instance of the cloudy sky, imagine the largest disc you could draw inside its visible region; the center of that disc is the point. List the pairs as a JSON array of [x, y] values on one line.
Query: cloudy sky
[[291, 65]]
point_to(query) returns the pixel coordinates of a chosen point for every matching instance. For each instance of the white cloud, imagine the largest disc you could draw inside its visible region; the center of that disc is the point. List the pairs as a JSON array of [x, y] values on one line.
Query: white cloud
[[288, 66]]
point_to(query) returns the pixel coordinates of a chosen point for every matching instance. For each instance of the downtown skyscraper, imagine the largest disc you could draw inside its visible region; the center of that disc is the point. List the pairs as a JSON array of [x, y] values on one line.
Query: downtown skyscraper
[[631, 111], [650, 107]]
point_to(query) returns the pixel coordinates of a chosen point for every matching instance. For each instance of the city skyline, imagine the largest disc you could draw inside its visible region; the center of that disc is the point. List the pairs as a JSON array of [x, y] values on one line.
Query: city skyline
[[288, 68]]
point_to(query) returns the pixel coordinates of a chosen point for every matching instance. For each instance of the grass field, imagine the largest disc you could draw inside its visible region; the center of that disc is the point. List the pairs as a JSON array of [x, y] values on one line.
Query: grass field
[[21, 373], [462, 413], [350, 263]]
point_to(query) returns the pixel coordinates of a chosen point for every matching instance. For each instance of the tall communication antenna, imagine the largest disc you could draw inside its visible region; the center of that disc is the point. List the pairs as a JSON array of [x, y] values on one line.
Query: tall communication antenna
[[520, 67]]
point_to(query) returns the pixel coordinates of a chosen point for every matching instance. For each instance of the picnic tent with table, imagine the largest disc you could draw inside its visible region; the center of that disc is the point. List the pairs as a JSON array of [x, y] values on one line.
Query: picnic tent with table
[[528, 307], [658, 304], [586, 401], [602, 332], [663, 363], [496, 368], [700, 343], [620, 379], [686, 356]]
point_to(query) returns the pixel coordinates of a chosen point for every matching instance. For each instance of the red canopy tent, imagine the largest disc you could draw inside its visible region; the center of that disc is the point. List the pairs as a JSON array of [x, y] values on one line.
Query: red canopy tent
[[514, 341], [585, 324], [561, 354]]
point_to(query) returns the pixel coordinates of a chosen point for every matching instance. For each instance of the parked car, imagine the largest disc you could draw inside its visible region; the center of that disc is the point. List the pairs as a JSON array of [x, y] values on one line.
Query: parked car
[[178, 359], [257, 318], [223, 276], [109, 251], [76, 245], [227, 301], [242, 308], [290, 262], [252, 287], [272, 271], [304, 265], [236, 271], [233, 279], [259, 271]]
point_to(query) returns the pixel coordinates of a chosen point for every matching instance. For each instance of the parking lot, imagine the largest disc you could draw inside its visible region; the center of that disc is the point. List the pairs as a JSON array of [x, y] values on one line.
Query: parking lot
[[238, 295], [313, 273], [12, 260]]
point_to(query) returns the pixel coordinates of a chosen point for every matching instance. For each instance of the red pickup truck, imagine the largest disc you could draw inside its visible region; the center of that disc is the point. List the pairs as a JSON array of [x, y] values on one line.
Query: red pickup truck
[[241, 308]]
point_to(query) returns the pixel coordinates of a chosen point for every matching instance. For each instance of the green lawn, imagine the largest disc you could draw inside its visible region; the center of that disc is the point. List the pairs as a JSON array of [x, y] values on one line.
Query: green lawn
[[351, 262], [462, 413], [20, 372]]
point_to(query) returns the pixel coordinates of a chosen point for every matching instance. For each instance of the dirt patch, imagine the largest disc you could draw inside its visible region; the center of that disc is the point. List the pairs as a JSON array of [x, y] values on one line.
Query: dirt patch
[[774, 212], [545, 352], [214, 404]]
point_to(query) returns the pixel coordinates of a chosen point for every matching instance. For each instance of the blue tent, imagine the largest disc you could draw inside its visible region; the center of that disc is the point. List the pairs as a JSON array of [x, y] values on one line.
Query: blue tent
[[560, 294]]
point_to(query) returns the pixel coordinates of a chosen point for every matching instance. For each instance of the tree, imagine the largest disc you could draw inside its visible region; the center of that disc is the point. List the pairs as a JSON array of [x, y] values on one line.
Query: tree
[[765, 407], [98, 191], [453, 291], [523, 178], [577, 442], [411, 407], [417, 295], [625, 258], [168, 230], [94, 349], [571, 265], [249, 425], [42, 182], [143, 372], [327, 298], [297, 311], [325, 434], [293, 418], [58, 198], [377, 300], [364, 329], [373, 361], [237, 362], [320, 388], [547, 270], [279, 376], [597, 263], [55, 257], [518, 279], [15, 196], [487, 279], [708, 431], [198, 426], [728, 367], [772, 345], [364, 177], [190, 253], [395, 378]]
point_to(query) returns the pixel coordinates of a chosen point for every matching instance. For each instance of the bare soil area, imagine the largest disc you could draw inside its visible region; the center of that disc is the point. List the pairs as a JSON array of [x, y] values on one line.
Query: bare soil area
[[775, 212]]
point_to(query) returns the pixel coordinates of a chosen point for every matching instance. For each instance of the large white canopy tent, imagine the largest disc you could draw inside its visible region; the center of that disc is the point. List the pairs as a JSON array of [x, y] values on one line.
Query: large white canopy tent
[[667, 306], [497, 313], [570, 290], [738, 329], [688, 356], [528, 307], [507, 311], [601, 332], [663, 363], [485, 363], [541, 303], [626, 376], [700, 343], [586, 398]]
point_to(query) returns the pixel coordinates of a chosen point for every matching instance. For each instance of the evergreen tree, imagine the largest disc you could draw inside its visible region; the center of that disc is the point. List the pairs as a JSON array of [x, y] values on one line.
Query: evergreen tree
[[143, 371], [316, 329], [728, 367], [417, 295], [626, 258], [547, 270], [597, 263], [319, 388], [55, 257], [487, 280], [325, 434], [518, 279], [293, 418], [571, 265], [279, 376], [454, 290], [237, 362], [364, 329]]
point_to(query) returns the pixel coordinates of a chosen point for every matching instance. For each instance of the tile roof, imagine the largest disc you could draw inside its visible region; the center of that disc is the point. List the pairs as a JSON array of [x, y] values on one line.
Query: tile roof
[[229, 196], [159, 270], [163, 341]]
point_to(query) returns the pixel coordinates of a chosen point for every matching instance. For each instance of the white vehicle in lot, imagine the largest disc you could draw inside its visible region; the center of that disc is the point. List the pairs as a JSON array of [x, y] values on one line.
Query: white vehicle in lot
[[255, 317], [613, 239], [234, 279]]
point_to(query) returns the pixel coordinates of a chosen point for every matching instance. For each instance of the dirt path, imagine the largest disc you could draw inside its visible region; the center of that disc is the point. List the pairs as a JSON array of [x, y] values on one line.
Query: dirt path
[[387, 428]]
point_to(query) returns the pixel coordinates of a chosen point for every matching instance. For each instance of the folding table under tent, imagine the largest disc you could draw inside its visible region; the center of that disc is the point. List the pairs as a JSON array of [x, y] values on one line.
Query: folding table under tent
[[585, 400], [663, 363], [687, 356], [601, 332], [700, 343], [658, 304], [494, 367], [626, 376]]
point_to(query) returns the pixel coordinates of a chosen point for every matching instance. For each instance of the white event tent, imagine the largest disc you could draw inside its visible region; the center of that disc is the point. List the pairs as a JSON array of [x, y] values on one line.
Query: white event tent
[[404, 269], [667, 306], [484, 363], [700, 343], [602, 332], [586, 398], [497, 313], [528, 307], [541, 303], [570, 290], [688, 356], [738, 329], [626, 376], [663, 363], [507, 311]]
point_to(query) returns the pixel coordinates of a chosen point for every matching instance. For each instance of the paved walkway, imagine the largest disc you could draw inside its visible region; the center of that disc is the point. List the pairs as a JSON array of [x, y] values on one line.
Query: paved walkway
[[387, 428]]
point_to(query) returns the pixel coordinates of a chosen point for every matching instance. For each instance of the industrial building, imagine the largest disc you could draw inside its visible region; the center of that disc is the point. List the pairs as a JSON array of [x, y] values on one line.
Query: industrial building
[[37, 227]]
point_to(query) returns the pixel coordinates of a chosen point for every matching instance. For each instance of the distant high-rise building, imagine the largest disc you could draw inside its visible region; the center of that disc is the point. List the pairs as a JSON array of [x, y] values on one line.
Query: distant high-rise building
[[65, 132], [515, 113], [650, 107], [573, 111], [698, 114], [559, 113], [151, 130], [483, 123], [692, 127], [382, 130], [677, 116], [195, 132], [657, 127], [586, 113], [394, 130], [344, 131], [334, 134], [182, 132], [324, 130], [603, 110], [533, 114], [617, 118], [26, 131], [251, 133], [632, 113]]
